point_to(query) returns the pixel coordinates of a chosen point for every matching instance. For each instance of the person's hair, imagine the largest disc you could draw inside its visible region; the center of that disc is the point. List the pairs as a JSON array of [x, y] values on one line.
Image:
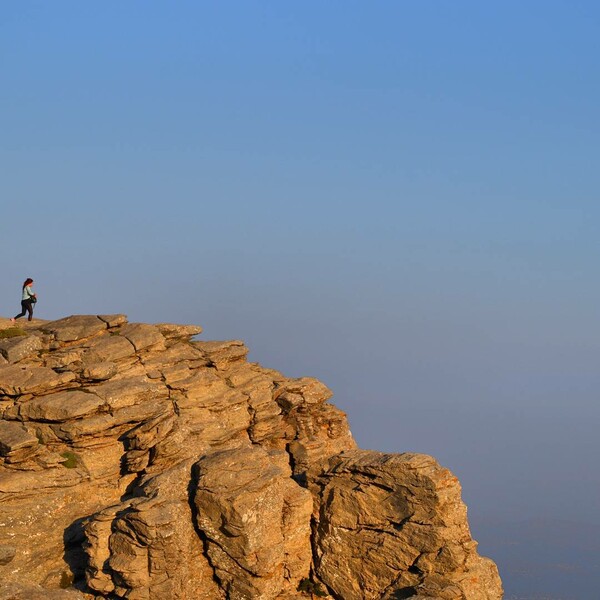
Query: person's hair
[[27, 282]]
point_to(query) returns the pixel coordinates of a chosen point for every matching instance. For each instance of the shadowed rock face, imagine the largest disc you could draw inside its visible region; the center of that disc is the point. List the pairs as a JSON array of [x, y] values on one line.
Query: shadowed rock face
[[137, 463]]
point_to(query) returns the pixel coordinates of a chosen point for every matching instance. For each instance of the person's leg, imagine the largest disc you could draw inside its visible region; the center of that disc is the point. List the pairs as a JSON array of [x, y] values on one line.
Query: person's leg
[[29, 307], [23, 311]]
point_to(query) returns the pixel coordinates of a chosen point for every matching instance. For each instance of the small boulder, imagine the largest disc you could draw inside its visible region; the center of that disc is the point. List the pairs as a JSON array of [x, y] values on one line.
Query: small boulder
[[16, 379], [62, 406], [174, 331], [113, 320], [7, 553], [14, 437], [99, 371], [16, 349], [75, 328], [223, 354], [143, 336]]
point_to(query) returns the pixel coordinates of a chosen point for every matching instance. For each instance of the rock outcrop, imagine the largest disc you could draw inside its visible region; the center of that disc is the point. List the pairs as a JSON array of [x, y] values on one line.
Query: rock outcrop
[[137, 462]]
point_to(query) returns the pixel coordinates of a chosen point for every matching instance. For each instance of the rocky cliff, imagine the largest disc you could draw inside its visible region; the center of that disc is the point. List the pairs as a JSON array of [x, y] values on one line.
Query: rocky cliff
[[137, 462]]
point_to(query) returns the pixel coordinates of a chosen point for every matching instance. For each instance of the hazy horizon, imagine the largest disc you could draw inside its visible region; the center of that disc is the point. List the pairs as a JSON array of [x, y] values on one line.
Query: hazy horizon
[[399, 199]]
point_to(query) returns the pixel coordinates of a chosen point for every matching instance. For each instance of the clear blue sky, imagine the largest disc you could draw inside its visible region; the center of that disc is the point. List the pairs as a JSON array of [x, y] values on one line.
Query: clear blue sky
[[400, 198]]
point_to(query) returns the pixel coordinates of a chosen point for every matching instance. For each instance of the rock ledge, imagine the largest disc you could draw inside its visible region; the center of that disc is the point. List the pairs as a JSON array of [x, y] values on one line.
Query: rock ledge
[[139, 463]]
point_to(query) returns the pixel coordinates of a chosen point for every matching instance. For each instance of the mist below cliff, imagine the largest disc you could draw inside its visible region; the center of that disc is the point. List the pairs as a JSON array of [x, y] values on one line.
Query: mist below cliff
[[560, 557], [517, 424]]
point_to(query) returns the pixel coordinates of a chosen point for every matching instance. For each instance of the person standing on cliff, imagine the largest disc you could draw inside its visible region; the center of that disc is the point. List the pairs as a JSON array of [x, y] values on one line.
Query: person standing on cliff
[[28, 299]]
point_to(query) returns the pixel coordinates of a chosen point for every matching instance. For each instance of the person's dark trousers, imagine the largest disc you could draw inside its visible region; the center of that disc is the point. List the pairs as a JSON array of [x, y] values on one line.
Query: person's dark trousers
[[26, 306]]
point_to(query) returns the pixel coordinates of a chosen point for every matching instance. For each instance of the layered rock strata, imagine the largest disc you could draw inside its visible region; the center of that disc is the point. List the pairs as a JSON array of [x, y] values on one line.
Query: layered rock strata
[[137, 462]]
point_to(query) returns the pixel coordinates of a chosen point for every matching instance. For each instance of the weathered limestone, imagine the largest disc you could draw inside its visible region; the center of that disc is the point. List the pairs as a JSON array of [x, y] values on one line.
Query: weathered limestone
[[223, 354], [143, 336], [16, 443], [63, 406], [107, 348], [393, 525], [148, 547], [7, 553], [173, 331], [256, 520], [16, 349], [138, 463], [99, 371], [16, 380], [75, 328], [11, 590], [113, 320]]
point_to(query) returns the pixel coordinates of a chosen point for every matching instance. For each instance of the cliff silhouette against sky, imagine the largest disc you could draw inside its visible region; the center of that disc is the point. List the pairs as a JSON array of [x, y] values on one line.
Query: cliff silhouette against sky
[[138, 462]]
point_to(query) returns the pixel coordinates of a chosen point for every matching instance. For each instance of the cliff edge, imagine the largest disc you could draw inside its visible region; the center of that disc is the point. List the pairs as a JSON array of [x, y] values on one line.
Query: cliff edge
[[136, 462]]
